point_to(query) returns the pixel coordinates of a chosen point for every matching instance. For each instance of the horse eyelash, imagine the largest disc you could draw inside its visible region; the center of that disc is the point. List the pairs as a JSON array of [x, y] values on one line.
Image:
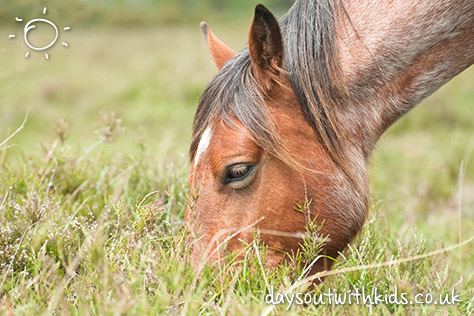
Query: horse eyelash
[[249, 173]]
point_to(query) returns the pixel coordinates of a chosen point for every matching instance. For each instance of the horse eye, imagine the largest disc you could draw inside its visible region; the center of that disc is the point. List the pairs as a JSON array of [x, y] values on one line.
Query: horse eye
[[237, 172]]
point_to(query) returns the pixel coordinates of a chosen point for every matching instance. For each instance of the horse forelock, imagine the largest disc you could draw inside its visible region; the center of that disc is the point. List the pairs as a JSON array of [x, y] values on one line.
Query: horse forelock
[[234, 94]]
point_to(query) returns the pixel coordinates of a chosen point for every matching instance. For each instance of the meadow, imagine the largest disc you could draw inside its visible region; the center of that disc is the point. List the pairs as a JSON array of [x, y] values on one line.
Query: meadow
[[93, 187]]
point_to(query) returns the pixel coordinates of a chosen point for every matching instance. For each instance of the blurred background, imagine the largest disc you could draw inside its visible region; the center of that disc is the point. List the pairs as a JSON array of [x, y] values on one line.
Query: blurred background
[[146, 61]]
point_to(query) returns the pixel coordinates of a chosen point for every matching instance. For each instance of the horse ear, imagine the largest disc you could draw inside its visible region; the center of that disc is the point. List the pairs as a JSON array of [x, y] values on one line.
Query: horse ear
[[265, 47], [221, 53]]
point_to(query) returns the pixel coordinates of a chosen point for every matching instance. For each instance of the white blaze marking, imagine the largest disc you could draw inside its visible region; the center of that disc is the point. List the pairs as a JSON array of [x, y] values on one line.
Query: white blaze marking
[[203, 144]]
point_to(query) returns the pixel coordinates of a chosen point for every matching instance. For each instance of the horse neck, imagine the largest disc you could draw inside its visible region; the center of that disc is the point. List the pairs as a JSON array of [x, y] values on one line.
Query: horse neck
[[393, 54]]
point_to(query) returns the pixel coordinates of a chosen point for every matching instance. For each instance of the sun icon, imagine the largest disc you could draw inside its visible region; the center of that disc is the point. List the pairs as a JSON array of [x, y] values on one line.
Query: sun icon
[[30, 26]]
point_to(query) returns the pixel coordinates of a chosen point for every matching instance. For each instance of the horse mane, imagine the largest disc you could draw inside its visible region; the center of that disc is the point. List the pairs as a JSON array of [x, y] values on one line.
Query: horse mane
[[310, 61]]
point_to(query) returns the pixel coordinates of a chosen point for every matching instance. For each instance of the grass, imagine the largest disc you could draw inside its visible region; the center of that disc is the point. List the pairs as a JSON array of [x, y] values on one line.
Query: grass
[[93, 189]]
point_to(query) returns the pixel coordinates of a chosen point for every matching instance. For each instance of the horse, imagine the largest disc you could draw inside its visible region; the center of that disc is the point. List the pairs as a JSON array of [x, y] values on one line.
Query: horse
[[293, 118]]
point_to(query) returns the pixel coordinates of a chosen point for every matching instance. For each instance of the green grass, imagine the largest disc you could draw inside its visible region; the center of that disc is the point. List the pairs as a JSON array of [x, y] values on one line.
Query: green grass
[[92, 205]]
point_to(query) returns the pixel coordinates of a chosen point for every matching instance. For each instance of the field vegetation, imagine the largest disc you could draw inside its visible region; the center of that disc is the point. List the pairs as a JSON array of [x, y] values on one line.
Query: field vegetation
[[93, 187]]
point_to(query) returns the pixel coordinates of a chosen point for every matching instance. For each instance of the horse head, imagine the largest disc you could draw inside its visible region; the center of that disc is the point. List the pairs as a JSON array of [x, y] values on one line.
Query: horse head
[[283, 132], [255, 157]]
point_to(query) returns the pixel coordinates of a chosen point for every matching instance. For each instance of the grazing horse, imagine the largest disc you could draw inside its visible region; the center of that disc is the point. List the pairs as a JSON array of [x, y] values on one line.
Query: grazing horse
[[293, 118]]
